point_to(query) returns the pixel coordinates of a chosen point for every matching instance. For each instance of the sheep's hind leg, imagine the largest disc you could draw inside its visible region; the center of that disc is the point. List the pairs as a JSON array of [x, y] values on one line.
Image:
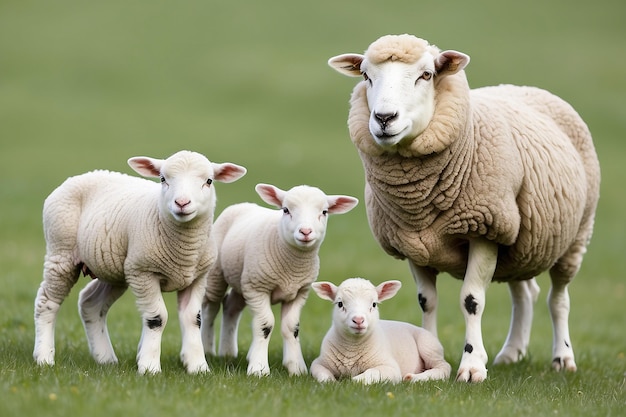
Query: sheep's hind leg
[[426, 280], [60, 275], [94, 302], [481, 265], [523, 296], [290, 329], [234, 304], [215, 291], [559, 305], [189, 306]]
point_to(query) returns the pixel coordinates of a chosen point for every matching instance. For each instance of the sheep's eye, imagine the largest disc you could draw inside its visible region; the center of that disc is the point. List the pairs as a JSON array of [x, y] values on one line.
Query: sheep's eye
[[374, 304], [340, 304], [325, 212], [365, 77], [426, 75], [162, 179], [285, 210], [209, 181]]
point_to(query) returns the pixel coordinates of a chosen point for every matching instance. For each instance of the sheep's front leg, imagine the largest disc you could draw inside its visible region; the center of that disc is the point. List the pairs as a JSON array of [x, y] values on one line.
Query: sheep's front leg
[[189, 306], [426, 280], [262, 326], [320, 372], [94, 303], [382, 373], [150, 304], [290, 329], [523, 296], [483, 256]]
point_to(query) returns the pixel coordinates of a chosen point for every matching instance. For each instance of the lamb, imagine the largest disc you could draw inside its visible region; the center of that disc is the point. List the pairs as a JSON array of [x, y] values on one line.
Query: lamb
[[369, 350], [267, 257], [497, 183], [132, 233]]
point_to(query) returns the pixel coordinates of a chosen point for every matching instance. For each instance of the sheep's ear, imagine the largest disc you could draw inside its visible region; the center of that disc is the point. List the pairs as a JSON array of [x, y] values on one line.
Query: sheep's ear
[[388, 289], [228, 172], [347, 64], [450, 62], [148, 167], [338, 204], [325, 290], [271, 194]]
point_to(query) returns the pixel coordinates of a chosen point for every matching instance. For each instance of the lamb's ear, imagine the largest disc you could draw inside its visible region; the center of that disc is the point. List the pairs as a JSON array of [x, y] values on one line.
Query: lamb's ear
[[347, 64], [450, 62], [146, 166], [338, 204], [387, 289], [271, 194], [228, 172], [325, 290]]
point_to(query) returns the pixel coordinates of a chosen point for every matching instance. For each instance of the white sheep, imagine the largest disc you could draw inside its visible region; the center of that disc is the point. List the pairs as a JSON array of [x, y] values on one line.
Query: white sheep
[[496, 183], [267, 256], [129, 232], [369, 350]]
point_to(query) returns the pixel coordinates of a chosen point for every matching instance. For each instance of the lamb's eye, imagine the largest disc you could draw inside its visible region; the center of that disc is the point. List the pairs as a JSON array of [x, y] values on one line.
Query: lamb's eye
[[426, 75], [162, 179], [367, 78], [285, 210], [209, 181], [340, 304], [374, 304], [325, 212]]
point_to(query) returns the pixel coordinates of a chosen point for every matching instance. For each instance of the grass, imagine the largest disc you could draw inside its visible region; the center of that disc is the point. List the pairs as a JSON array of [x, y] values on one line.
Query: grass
[[86, 85]]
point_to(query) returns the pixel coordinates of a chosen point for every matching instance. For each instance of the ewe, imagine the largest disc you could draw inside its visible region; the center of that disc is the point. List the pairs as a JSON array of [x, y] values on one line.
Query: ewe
[[497, 183], [267, 256], [129, 232], [370, 350]]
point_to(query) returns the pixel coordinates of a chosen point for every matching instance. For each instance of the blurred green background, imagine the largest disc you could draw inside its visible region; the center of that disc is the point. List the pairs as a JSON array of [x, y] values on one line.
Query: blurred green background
[[88, 84]]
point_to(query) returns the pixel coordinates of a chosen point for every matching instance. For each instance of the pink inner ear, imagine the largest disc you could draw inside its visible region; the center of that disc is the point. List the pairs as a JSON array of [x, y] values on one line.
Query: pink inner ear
[[342, 205]]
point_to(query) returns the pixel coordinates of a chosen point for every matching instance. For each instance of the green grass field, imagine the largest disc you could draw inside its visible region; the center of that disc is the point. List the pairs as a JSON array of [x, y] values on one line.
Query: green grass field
[[86, 85]]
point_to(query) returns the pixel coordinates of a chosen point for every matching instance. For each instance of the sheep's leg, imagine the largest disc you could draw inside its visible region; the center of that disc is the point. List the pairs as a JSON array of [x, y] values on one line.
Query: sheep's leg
[[60, 275], [234, 304], [147, 290], [215, 291], [380, 373], [481, 265], [320, 372], [94, 303], [290, 328], [189, 306], [426, 280], [559, 305], [523, 296], [262, 326]]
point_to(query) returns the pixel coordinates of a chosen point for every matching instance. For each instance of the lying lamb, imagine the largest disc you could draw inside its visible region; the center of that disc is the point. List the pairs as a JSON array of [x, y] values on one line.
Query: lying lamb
[[132, 232], [496, 183], [267, 256], [369, 350]]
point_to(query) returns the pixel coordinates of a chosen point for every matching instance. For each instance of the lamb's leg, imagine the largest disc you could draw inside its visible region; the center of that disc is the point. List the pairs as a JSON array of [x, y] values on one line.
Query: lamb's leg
[[234, 304], [380, 373], [59, 276], [431, 352], [426, 280], [262, 326], [290, 328], [147, 290], [559, 304], [216, 288], [94, 302], [320, 372], [523, 296], [189, 306], [481, 265]]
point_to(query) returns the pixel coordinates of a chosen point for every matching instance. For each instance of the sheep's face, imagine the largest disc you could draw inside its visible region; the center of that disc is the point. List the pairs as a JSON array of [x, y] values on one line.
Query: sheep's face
[[356, 303], [400, 74], [305, 212], [187, 183]]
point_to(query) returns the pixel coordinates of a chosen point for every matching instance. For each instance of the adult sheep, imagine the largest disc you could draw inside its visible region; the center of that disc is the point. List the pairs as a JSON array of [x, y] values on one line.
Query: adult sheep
[[266, 257], [496, 183], [132, 233]]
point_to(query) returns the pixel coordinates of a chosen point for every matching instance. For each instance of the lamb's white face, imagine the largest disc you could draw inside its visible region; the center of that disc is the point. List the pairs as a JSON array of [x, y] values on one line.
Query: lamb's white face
[[401, 98], [356, 310]]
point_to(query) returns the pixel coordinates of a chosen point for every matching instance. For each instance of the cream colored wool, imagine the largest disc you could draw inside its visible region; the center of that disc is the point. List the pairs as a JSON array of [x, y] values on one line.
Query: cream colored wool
[[509, 165]]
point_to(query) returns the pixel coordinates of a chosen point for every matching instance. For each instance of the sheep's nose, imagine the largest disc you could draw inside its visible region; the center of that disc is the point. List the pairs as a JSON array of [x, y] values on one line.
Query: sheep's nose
[[182, 202], [385, 118], [306, 231], [358, 320]]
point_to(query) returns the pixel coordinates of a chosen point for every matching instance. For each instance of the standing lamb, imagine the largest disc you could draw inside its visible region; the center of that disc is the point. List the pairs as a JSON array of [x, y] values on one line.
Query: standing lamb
[[267, 256], [496, 183], [370, 350], [132, 232]]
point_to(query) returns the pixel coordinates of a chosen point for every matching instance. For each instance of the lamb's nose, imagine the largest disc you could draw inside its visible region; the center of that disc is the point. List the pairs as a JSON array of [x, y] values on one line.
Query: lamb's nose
[[182, 202], [385, 118], [358, 320], [306, 231]]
